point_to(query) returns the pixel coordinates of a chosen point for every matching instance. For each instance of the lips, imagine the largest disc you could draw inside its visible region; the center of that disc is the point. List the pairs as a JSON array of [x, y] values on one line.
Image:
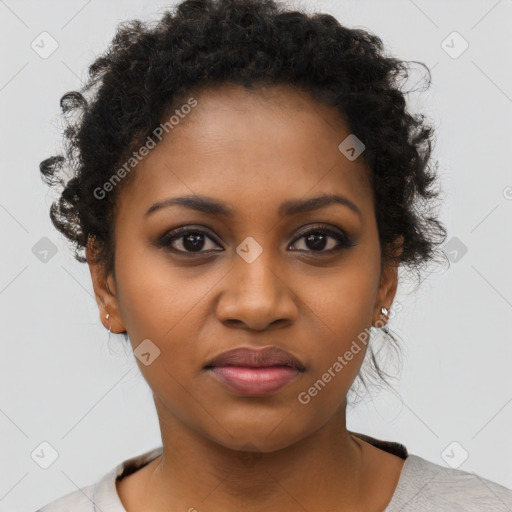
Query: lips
[[255, 372], [256, 358]]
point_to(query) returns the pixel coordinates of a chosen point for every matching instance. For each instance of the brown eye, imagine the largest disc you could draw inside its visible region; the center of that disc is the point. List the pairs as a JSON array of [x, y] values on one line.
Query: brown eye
[[317, 240], [186, 240]]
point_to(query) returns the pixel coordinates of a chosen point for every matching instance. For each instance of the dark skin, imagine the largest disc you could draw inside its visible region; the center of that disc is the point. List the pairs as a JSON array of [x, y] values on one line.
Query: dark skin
[[251, 151]]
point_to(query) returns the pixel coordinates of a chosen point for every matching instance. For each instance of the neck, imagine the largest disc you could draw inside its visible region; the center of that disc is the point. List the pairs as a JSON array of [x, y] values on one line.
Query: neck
[[195, 472]]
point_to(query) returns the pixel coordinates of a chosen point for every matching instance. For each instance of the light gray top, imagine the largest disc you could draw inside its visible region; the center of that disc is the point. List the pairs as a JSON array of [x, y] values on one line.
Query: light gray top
[[423, 486]]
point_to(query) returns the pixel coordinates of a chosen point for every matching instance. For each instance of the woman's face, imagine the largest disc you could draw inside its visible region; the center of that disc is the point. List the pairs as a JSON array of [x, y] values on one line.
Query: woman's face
[[255, 277]]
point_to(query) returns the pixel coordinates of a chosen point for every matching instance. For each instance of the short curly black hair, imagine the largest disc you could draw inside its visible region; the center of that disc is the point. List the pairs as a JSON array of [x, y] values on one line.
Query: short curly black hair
[[148, 70]]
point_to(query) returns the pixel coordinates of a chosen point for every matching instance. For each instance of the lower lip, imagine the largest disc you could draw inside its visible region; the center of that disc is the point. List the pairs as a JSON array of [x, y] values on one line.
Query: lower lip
[[254, 381]]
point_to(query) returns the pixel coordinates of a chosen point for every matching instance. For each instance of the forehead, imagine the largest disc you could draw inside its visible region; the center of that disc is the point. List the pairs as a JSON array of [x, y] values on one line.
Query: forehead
[[272, 143]]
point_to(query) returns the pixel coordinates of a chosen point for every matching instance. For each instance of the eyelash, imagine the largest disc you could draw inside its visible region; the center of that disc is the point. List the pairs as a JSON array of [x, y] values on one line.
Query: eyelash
[[344, 241]]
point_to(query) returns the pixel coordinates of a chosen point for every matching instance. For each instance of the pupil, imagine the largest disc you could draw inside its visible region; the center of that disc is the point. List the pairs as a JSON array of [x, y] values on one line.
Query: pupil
[[314, 238], [196, 242]]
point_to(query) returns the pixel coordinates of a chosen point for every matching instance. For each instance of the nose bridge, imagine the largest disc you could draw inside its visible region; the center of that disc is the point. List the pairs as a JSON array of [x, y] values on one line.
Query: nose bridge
[[256, 294], [256, 275]]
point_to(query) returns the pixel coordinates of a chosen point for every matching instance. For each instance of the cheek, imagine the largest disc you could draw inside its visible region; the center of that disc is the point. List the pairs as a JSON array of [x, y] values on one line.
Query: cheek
[[155, 307], [344, 301], [156, 297], [341, 316], [167, 305]]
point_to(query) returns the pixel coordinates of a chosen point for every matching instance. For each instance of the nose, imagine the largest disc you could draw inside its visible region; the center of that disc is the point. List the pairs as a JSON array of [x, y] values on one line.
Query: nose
[[256, 296]]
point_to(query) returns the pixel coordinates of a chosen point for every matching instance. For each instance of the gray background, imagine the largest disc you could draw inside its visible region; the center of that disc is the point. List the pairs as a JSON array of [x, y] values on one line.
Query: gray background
[[63, 384]]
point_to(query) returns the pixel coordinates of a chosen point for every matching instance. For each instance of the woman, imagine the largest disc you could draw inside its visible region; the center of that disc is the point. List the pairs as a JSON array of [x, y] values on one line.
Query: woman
[[246, 183]]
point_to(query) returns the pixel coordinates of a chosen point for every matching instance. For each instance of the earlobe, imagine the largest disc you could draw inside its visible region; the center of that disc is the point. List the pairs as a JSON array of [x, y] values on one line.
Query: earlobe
[[388, 286]]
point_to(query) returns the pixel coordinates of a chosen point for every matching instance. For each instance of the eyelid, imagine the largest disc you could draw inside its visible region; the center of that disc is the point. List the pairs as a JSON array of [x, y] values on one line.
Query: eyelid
[[304, 230], [181, 231], [343, 239]]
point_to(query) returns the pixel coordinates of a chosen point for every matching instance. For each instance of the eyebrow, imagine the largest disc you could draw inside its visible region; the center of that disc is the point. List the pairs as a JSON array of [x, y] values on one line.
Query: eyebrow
[[290, 207]]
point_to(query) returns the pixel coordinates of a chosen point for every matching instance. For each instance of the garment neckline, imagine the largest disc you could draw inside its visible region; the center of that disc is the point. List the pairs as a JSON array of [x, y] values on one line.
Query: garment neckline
[[106, 497]]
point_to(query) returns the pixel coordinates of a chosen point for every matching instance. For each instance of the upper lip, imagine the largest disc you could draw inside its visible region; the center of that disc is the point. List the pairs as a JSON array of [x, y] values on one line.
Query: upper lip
[[256, 358]]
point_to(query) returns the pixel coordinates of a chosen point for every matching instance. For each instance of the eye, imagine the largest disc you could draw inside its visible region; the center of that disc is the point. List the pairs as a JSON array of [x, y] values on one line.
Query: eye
[[317, 239], [188, 241]]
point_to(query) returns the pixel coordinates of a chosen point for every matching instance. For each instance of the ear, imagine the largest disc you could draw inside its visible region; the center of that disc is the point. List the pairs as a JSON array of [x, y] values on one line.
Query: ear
[[104, 291], [388, 284]]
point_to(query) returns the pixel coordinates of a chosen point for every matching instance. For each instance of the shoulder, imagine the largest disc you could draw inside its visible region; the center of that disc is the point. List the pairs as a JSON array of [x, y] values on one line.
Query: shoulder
[[426, 486], [81, 500], [102, 495]]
